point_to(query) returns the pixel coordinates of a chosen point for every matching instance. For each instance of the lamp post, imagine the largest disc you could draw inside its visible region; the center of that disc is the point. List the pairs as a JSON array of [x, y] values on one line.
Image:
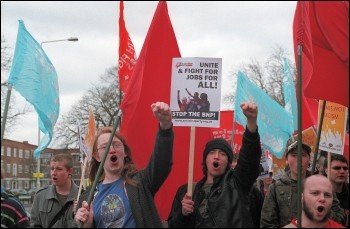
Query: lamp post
[[38, 162]]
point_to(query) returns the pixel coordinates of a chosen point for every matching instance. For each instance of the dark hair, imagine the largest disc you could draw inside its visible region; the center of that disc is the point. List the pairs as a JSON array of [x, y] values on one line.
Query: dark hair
[[129, 167], [217, 143], [335, 157]]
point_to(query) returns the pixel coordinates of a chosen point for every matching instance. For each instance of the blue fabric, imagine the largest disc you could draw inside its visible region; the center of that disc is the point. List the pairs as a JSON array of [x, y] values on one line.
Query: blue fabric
[[290, 95], [34, 77], [112, 207], [273, 120]]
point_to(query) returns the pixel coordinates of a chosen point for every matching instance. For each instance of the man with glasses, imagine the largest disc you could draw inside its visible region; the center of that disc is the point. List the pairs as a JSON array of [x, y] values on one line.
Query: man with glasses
[[338, 175]]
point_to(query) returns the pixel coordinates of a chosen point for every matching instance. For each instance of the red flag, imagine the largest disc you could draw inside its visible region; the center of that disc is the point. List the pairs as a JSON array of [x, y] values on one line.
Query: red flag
[[322, 28], [150, 82], [226, 129], [127, 55]]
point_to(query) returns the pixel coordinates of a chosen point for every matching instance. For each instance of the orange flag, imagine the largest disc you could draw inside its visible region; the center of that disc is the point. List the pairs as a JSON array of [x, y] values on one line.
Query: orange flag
[[90, 134], [127, 55]]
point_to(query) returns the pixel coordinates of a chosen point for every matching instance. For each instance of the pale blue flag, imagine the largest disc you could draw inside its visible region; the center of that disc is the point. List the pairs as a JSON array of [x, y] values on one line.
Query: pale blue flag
[[273, 120], [290, 97], [34, 77]]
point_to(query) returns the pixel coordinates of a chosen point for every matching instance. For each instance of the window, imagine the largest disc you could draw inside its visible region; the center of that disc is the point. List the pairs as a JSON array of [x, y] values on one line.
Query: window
[[14, 152], [20, 153], [8, 151], [8, 168], [8, 184], [26, 184], [26, 169], [14, 170], [26, 154], [20, 169]]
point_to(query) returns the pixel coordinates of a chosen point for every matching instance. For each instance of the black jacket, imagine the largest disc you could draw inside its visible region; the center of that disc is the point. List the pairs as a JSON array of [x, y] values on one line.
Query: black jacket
[[228, 198]]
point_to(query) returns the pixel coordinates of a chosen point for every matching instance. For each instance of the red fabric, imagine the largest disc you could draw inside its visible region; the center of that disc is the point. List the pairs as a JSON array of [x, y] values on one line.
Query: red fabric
[[322, 28], [150, 82], [127, 55], [309, 108], [226, 129], [330, 224]]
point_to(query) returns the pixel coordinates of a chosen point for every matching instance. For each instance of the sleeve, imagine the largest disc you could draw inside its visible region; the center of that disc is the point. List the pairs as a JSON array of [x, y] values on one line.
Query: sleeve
[[247, 168], [337, 213], [161, 160], [176, 219], [269, 212], [13, 214]]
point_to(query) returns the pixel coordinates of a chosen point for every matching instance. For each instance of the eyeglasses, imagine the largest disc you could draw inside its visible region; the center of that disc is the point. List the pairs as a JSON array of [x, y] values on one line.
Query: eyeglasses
[[340, 167], [114, 145]]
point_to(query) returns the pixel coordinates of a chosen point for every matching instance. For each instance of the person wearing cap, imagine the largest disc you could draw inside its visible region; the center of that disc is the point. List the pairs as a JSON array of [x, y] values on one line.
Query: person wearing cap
[[219, 199], [280, 204]]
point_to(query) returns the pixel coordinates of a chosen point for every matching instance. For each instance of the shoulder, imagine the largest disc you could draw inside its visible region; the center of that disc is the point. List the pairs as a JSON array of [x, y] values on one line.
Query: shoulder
[[6, 194], [42, 190]]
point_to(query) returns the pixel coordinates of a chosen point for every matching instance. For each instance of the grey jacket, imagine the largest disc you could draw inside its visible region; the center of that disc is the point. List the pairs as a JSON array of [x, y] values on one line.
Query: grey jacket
[[280, 205], [46, 205], [149, 180]]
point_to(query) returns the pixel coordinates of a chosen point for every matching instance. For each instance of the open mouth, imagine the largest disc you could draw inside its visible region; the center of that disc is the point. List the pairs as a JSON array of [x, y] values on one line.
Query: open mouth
[[320, 209], [114, 158], [215, 164]]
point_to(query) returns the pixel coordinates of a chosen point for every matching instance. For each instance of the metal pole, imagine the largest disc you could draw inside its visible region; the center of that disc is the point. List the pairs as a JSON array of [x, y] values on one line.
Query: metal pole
[[5, 112], [38, 162]]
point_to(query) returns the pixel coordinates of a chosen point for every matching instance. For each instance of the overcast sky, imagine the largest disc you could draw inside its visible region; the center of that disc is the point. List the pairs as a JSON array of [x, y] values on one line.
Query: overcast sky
[[234, 31]]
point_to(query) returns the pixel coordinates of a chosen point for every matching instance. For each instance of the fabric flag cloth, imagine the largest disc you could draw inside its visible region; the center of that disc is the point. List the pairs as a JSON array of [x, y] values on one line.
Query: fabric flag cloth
[[90, 135], [322, 30], [150, 82], [290, 95], [127, 55], [34, 77], [274, 121]]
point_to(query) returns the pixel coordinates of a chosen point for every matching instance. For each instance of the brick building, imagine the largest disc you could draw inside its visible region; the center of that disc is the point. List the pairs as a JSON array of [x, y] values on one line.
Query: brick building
[[20, 166]]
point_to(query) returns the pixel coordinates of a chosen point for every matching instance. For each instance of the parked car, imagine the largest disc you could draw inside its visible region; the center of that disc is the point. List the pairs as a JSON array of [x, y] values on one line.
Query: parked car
[[32, 191], [19, 192]]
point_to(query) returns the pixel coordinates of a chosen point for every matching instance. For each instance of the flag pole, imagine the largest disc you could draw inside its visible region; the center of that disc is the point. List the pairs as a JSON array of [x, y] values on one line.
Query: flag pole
[[100, 167], [300, 48], [319, 130], [7, 102]]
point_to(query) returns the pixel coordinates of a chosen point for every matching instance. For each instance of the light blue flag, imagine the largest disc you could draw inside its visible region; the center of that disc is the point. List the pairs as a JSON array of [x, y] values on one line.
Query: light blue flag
[[290, 97], [34, 77], [273, 120]]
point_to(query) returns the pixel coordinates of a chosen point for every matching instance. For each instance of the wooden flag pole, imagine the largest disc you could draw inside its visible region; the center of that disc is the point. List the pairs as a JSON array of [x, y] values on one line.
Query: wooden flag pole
[[191, 161]]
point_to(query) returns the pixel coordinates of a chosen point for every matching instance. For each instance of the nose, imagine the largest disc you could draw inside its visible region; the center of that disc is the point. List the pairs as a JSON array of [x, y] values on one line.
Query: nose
[[322, 198], [216, 154]]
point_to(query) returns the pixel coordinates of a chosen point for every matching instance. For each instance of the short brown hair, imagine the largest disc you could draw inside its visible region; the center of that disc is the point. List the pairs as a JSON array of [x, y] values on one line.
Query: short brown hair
[[65, 157]]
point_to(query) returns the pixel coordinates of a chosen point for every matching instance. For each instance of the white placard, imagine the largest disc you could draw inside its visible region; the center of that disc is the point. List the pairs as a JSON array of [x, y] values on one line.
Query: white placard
[[196, 91]]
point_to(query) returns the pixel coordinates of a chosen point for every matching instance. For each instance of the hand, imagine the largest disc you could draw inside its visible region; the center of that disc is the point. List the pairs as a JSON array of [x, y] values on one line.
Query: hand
[[162, 112], [85, 214], [187, 205], [250, 110]]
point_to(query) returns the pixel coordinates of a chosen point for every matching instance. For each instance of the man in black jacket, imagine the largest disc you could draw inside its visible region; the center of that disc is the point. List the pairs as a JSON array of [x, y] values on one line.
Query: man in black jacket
[[219, 198]]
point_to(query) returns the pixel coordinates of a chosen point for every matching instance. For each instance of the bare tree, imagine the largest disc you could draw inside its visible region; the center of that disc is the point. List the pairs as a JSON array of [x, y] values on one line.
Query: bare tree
[[268, 76], [104, 99], [5, 55], [13, 112]]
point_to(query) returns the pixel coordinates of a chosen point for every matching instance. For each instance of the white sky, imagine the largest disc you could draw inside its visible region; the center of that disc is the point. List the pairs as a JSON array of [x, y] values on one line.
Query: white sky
[[234, 31]]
